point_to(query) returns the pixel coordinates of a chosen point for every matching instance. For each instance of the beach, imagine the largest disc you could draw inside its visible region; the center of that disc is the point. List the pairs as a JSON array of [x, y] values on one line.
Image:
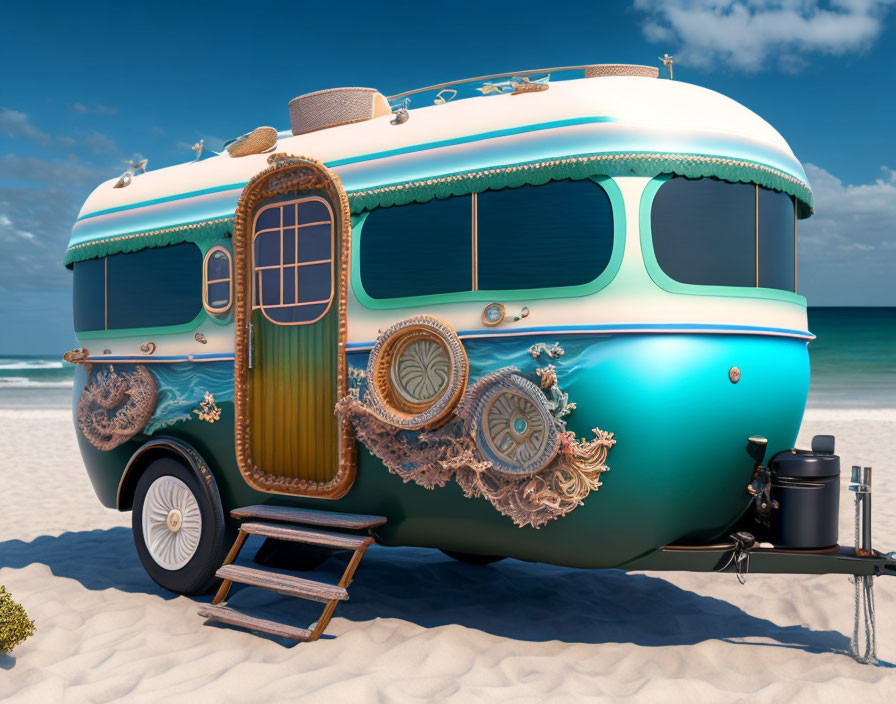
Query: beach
[[420, 626]]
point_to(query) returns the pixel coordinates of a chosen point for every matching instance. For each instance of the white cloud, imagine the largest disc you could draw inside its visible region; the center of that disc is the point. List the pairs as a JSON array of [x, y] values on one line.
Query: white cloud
[[97, 109], [16, 125], [10, 235], [847, 249], [30, 170], [99, 143], [34, 230], [745, 34], [39, 201]]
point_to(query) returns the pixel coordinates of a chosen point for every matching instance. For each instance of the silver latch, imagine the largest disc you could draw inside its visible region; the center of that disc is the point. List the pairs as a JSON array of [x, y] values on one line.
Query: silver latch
[[251, 346]]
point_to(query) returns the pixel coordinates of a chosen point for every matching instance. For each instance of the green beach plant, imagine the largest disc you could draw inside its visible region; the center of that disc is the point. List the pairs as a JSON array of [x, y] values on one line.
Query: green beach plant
[[15, 626]]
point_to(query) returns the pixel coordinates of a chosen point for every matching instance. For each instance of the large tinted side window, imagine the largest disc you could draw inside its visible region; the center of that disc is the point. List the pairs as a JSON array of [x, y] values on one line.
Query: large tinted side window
[[154, 287], [558, 234], [418, 249], [704, 231], [89, 295], [776, 240]]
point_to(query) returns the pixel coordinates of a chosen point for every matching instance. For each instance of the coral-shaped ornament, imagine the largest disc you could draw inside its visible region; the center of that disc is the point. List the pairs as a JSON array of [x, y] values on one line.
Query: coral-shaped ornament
[[115, 406]]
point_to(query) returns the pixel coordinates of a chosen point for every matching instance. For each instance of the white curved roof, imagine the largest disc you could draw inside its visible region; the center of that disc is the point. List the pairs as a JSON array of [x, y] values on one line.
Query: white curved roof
[[607, 116]]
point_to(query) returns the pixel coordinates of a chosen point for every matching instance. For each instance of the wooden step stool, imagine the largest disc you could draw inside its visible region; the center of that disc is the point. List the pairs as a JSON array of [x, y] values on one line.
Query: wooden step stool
[[266, 520]]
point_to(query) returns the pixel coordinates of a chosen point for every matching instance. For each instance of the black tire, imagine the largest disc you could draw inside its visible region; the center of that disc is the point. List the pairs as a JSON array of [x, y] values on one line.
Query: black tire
[[198, 574], [472, 558]]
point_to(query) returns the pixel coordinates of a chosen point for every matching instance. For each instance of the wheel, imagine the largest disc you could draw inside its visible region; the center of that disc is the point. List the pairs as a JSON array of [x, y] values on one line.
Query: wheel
[[472, 558], [179, 527]]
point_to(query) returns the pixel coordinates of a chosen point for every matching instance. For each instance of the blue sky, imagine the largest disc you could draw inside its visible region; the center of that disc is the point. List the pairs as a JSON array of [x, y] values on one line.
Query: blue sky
[[85, 88]]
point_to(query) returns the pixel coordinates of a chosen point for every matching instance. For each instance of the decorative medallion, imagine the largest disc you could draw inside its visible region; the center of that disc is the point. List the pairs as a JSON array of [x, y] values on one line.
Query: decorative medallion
[[115, 406], [514, 427], [418, 372], [505, 440]]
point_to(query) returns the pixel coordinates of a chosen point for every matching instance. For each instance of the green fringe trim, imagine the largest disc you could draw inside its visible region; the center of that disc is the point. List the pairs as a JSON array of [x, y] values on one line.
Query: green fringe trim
[[134, 241], [621, 164], [533, 174]]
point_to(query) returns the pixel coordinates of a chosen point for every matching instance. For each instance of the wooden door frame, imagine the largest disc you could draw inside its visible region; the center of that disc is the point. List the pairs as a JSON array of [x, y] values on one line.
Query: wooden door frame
[[287, 174]]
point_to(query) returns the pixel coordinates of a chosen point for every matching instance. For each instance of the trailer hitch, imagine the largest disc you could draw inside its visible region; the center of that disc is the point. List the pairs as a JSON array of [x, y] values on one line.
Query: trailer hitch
[[740, 555]]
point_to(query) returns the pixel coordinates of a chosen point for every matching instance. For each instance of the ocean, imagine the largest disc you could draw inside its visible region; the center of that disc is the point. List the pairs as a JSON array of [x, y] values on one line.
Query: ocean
[[853, 365]]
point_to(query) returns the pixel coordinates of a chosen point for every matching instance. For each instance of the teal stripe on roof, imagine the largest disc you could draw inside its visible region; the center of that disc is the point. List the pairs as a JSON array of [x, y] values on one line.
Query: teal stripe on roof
[[372, 157], [164, 199], [473, 138]]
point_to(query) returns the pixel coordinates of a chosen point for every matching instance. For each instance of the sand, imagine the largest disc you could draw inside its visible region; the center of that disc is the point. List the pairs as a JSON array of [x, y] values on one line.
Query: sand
[[419, 626]]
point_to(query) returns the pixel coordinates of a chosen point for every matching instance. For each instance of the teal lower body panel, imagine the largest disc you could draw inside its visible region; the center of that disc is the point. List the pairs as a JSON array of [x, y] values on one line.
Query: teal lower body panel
[[678, 471], [679, 468]]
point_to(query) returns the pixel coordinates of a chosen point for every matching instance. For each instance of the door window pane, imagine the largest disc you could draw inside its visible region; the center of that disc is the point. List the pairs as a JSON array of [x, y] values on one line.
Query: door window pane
[[314, 282], [289, 289], [314, 243]]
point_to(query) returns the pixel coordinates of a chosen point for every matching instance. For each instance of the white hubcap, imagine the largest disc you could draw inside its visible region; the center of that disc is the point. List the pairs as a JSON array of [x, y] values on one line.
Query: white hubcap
[[172, 524]]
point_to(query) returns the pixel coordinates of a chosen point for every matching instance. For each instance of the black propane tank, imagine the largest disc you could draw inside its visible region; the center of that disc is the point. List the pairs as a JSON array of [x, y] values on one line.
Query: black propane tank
[[805, 490]]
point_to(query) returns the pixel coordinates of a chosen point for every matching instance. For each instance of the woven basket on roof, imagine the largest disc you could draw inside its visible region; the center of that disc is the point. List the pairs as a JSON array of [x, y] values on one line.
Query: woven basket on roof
[[600, 70], [337, 106], [257, 141]]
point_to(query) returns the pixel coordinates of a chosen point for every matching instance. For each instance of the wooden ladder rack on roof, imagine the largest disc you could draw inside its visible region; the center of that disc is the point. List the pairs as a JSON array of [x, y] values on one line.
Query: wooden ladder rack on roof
[[266, 522]]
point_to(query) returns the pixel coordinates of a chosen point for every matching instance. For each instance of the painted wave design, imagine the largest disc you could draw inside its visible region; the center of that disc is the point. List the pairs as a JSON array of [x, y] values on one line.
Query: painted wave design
[[182, 386], [485, 356]]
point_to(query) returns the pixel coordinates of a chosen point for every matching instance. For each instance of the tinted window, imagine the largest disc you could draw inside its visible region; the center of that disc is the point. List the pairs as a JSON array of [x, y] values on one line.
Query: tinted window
[[151, 288], [418, 249], [704, 231], [559, 234], [776, 240], [89, 294], [293, 260], [154, 287], [217, 279]]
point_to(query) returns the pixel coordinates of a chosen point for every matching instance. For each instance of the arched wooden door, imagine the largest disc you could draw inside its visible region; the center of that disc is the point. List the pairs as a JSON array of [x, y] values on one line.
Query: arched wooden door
[[292, 234]]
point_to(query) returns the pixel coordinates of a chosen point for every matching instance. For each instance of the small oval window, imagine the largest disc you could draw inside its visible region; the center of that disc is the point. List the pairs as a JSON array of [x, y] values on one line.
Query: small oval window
[[217, 275]]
